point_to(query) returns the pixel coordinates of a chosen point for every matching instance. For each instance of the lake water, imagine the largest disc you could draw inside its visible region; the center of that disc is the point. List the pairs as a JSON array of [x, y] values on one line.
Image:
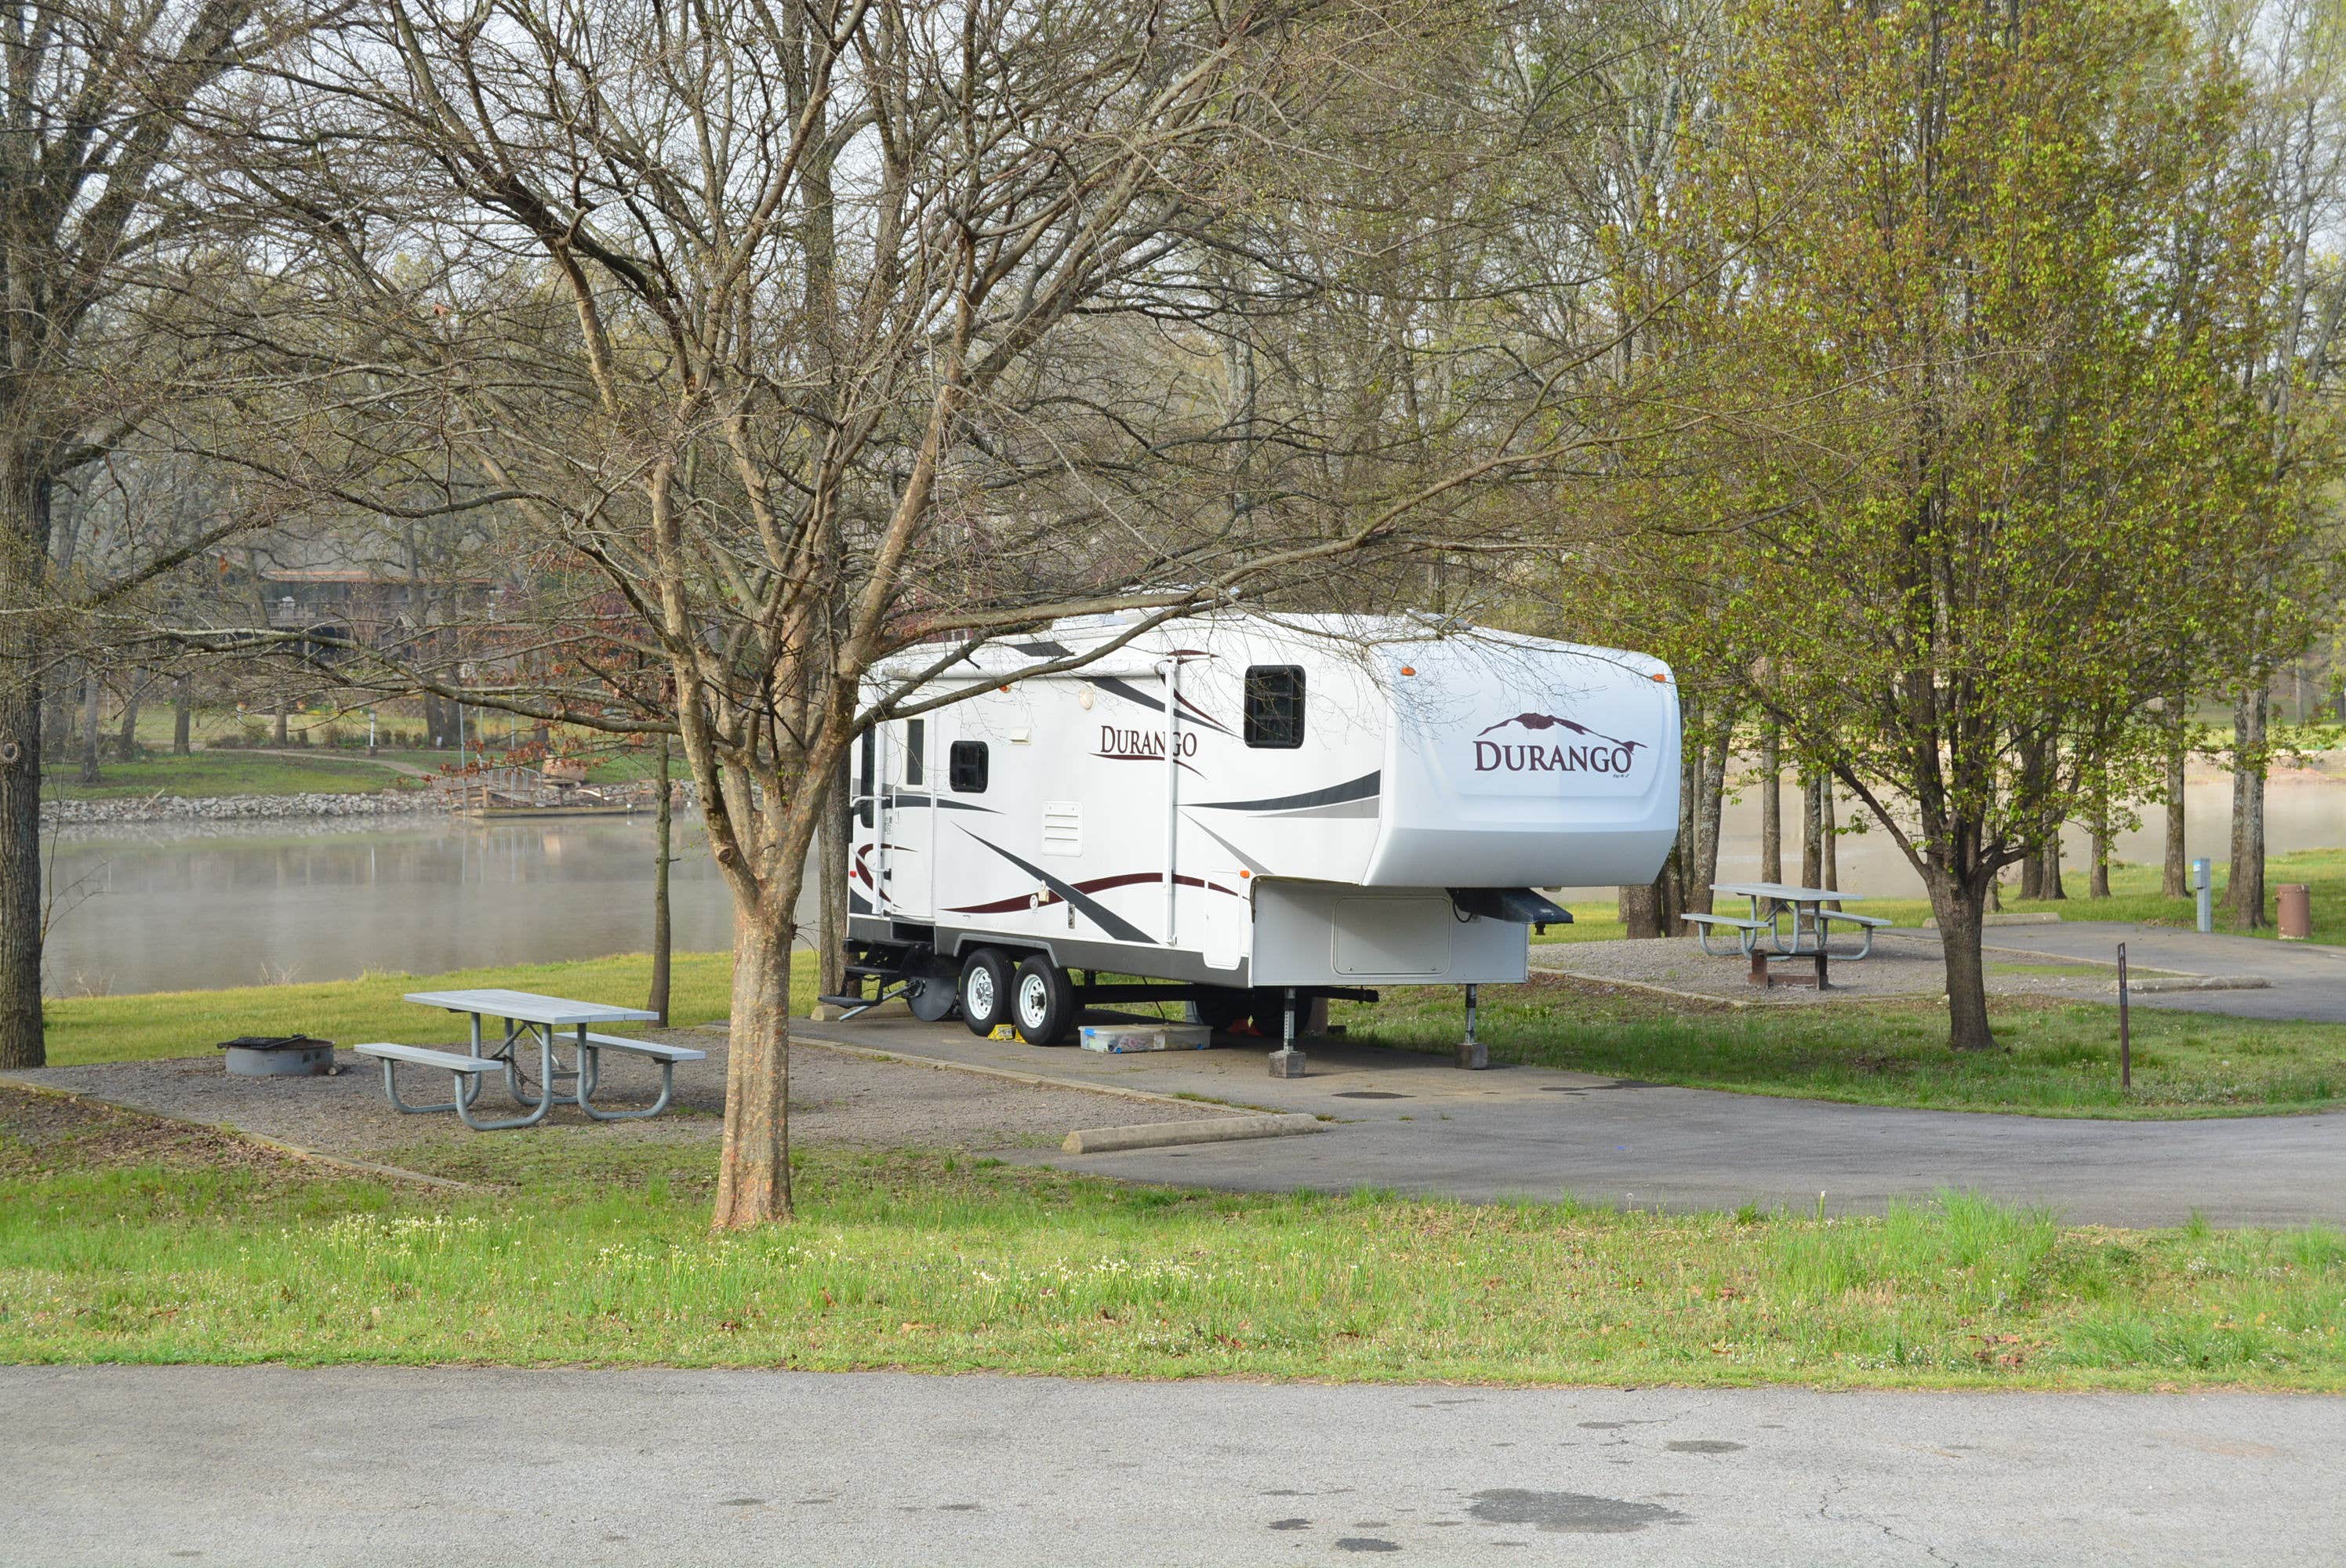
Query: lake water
[[158, 909], [165, 910]]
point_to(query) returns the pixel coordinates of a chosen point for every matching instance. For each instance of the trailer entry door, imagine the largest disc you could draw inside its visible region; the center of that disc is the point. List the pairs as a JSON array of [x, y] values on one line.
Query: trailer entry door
[[908, 817]]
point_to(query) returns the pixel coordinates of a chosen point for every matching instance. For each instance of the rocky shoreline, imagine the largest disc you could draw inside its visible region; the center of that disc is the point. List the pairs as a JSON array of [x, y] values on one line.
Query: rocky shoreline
[[238, 808]]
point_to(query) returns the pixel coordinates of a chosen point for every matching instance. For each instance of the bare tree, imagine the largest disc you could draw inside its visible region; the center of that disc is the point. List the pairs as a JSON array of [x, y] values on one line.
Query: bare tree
[[97, 94], [808, 334]]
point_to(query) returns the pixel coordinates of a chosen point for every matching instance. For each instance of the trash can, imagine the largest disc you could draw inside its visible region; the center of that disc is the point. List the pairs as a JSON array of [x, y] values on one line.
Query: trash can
[[2296, 902]]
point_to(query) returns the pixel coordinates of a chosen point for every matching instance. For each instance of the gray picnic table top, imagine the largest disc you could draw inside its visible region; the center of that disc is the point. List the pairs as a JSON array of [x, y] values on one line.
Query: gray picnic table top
[[529, 1007], [1785, 893]]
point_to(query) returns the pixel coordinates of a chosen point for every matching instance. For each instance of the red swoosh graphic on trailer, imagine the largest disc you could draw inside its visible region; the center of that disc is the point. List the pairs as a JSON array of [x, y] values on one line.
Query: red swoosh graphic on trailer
[[864, 872]]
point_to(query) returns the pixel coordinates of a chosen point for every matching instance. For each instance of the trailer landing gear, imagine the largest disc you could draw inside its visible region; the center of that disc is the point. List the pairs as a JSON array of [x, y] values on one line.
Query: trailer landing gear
[[1472, 1053], [1286, 1062]]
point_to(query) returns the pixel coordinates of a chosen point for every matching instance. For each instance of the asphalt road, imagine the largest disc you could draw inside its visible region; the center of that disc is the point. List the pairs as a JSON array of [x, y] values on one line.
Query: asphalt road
[[1414, 1124], [2306, 980], [353, 1468]]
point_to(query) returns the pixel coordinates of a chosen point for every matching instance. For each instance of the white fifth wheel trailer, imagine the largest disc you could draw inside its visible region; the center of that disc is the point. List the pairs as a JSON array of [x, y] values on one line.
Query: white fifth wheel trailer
[[1246, 811]]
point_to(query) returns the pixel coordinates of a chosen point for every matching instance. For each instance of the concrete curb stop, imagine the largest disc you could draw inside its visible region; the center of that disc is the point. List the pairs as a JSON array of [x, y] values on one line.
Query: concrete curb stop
[[1159, 1134], [2196, 983]]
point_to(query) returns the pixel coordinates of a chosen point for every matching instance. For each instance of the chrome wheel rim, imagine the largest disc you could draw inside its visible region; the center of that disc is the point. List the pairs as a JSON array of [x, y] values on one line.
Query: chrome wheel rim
[[980, 993], [1034, 1001]]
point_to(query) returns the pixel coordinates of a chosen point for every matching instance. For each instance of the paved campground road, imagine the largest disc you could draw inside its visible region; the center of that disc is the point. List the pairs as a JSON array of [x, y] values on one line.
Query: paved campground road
[[1413, 1124], [2304, 980], [359, 1467]]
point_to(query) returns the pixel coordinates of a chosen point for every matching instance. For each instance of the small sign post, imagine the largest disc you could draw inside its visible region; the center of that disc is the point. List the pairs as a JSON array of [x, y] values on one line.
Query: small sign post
[[2126, 1033]]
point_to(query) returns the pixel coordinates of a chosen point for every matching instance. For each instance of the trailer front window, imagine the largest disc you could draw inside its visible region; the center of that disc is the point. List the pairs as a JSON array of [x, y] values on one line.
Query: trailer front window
[[916, 750], [1274, 706]]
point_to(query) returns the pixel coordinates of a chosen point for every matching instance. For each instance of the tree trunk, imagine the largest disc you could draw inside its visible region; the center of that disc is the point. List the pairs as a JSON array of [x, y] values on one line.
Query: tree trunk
[[753, 1183], [1708, 807], [20, 855], [281, 721], [1709, 733], [1958, 907], [2097, 885], [2244, 885], [24, 555], [92, 690], [2174, 876], [60, 696], [183, 715], [2049, 877], [1772, 804], [1812, 837], [832, 847], [126, 743], [1828, 839], [662, 931], [1653, 911]]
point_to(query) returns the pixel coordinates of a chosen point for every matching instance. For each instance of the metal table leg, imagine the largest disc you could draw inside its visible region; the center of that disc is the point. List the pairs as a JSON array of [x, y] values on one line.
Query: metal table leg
[[540, 1107]]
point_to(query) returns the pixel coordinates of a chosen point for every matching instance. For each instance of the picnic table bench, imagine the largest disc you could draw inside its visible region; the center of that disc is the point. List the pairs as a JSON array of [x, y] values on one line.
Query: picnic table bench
[[528, 1017]]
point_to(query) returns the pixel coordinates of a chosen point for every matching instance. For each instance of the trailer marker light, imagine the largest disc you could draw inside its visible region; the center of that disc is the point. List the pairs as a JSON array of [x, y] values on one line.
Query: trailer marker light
[[1409, 669], [1661, 679]]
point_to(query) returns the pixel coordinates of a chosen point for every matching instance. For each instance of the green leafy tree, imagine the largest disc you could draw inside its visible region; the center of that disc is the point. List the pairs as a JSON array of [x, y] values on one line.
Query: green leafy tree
[[1982, 451]]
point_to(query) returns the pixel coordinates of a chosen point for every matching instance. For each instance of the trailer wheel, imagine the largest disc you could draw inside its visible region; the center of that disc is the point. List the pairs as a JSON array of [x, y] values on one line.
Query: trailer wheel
[[985, 989], [1043, 1004]]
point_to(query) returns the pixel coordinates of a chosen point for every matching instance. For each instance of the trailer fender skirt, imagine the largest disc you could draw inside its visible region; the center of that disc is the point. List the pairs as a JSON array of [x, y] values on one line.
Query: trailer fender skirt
[[1160, 1134], [1521, 905]]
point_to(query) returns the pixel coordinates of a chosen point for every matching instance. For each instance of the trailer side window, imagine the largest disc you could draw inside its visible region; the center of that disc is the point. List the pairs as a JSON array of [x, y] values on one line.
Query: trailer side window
[[865, 756], [1274, 706], [916, 749], [966, 768]]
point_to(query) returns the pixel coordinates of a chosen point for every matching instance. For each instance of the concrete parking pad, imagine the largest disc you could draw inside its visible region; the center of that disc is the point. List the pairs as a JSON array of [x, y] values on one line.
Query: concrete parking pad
[[1415, 1124]]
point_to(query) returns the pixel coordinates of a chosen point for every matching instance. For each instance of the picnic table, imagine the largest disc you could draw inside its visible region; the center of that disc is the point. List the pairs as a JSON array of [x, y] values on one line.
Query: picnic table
[[529, 1019], [1770, 901]]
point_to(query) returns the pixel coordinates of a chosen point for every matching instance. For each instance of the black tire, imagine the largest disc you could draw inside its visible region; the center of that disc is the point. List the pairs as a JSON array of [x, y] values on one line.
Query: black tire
[[985, 989], [1043, 1003]]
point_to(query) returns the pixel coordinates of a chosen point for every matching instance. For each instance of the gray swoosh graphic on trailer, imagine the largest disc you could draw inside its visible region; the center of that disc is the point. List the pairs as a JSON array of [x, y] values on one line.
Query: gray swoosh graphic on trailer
[[903, 797], [1366, 807], [1098, 913], [1367, 786]]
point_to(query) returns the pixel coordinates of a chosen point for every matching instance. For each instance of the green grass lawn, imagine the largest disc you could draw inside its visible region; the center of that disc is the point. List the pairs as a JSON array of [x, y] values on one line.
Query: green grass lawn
[[212, 773], [2056, 1058], [124, 1240]]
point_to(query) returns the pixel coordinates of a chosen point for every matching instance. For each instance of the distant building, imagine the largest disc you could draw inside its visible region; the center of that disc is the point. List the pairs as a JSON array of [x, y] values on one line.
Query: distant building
[[371, 607]]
